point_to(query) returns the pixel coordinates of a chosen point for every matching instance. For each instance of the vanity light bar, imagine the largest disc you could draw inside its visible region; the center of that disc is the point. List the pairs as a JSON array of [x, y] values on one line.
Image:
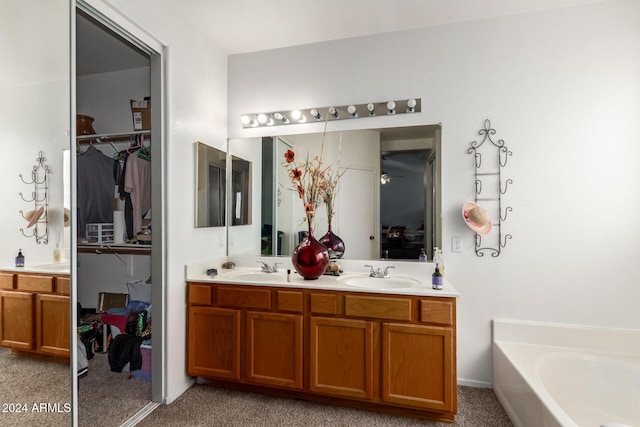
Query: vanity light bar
[[352, 111]]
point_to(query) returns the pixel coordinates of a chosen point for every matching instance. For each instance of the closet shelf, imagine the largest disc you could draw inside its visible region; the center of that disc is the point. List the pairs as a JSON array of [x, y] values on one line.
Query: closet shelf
[[110, 137], [122, 249]]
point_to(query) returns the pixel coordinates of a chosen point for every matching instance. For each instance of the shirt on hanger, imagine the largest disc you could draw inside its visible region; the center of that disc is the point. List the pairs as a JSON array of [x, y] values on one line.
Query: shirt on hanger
[[137, 182], [97, 175]]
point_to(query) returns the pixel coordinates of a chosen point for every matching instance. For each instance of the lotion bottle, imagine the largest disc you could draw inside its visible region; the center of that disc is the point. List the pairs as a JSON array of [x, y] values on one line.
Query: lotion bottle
[[423, 256], [56, 253], [20, 259]]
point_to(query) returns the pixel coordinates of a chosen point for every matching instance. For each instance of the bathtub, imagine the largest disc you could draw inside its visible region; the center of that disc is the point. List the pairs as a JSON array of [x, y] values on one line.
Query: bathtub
[[562, 375]]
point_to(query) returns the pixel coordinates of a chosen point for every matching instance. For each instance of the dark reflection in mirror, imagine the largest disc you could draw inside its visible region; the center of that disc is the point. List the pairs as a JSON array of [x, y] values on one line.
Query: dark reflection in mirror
[[241, 195], [211, 186]]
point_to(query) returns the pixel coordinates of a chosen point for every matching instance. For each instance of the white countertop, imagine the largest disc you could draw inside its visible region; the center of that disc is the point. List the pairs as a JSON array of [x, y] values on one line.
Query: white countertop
[[62, 267], [411, 270]]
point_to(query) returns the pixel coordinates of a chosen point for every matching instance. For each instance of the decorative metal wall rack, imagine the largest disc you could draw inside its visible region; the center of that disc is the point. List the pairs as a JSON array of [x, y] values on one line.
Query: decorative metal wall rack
[[490, 186], [40, 200]]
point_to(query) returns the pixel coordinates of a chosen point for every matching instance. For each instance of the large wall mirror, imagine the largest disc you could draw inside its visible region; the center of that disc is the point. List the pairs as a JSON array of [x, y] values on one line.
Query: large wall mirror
[[388, 203], [211, 182]]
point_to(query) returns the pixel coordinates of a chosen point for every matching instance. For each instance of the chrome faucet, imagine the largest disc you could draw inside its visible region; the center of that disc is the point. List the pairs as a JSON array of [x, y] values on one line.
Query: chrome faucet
[[268, 269], [379, 273]]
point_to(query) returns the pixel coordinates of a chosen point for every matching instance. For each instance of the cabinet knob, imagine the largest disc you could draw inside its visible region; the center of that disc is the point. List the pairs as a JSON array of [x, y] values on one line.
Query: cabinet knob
[[372, 237]]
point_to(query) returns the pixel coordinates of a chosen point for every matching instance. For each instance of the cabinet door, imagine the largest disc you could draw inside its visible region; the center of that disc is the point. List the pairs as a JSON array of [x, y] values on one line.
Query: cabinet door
[[53, 324], [214, 342], [16, 328], [341, 357], [417, 366], [274, 349]]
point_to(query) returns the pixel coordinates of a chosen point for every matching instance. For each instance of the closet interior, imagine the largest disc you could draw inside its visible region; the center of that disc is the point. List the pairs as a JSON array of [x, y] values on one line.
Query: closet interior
[[114, 233]]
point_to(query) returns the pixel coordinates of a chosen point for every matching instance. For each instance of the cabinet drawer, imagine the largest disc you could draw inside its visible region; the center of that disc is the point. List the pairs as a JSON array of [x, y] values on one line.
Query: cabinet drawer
[[378, 307], [290, 301], [439, 312], [6, 280], [243, 298], [199, 294], [35, 283], [324, 303], [63, 285]]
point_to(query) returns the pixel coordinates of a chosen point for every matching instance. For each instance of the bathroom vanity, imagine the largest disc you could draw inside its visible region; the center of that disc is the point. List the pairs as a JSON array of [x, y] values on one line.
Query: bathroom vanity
[[35, 312], [390, 350]]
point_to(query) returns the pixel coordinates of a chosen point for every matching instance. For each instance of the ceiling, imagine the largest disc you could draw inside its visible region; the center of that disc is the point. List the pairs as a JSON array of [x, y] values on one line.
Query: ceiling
[[242, 26]]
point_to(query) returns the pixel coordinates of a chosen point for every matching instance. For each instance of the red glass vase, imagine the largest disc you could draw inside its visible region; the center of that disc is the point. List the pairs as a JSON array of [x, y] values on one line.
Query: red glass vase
[[333, 243], [310, 258]]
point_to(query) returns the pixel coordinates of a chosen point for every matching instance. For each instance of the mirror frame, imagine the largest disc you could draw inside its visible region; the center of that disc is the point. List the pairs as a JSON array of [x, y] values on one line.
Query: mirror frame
[[207, 157], [435, 133]]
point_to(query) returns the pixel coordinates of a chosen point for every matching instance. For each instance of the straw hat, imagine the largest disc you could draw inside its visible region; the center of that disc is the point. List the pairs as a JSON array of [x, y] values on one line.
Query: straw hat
[[67, 217], [33, 216], [476, 218]]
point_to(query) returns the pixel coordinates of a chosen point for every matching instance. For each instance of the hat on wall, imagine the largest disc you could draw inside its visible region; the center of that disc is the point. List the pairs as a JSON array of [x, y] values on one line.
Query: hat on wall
[[33, 216], [476, 218]]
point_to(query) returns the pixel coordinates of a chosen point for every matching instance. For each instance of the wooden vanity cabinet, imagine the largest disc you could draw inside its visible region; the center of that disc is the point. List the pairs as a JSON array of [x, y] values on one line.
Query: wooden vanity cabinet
[[235, 335], [35, 314], [391, 353]]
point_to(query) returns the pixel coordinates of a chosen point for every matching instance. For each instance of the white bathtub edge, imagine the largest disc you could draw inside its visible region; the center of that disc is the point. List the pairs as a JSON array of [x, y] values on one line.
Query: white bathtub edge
[[607, 340]]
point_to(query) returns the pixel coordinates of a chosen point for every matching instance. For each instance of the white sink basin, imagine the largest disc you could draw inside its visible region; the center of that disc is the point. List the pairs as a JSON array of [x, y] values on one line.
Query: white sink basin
[[58, 266], [379, 283], [253, 276]]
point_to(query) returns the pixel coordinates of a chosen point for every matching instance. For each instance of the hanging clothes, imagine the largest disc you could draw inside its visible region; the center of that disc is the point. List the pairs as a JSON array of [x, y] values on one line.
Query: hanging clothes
[[97, 176], [137, 182]]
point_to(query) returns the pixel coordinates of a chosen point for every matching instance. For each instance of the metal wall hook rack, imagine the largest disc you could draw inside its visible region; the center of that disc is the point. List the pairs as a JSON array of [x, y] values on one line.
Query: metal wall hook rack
[[490, 186], [39, 198]]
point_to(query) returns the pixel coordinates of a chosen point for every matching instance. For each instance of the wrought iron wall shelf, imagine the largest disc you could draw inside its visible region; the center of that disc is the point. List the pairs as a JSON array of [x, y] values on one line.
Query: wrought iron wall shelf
[[40, 199], [490, 186]]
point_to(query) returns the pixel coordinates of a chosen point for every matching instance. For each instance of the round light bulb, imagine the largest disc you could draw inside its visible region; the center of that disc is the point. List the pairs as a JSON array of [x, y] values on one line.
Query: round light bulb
[[333, 112], [352, 110], [262, 118], [315, 113], [391, 105], [278, 116], [411, 103], [296, 114], [371, 107], [245, 120]]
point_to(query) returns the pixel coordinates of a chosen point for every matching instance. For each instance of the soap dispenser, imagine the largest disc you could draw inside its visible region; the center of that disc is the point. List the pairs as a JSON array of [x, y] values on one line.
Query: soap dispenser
[[20, 259], [436, 279], [57, 255], [423, 256]]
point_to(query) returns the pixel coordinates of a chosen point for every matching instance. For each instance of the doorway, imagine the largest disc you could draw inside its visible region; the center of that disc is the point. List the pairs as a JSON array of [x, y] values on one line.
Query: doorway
[[119, 272]]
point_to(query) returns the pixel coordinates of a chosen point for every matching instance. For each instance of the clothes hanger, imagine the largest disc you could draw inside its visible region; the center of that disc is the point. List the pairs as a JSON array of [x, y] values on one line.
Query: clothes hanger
[[144, 153]]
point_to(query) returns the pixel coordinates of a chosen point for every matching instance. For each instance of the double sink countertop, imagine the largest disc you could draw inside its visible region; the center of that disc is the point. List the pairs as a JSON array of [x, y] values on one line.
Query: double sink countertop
[[62, 267], [406, 277]]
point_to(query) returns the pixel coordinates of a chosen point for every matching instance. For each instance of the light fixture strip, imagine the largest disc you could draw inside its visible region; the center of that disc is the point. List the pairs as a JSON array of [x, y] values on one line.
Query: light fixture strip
[[331, 113]]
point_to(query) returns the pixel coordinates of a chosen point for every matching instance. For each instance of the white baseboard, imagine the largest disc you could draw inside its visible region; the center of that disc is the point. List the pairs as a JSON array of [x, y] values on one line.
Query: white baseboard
[[169, 399], [474, 383]]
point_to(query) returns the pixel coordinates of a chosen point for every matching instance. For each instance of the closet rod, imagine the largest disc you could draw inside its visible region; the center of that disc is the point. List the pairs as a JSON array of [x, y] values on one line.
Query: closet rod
[[104, 137]]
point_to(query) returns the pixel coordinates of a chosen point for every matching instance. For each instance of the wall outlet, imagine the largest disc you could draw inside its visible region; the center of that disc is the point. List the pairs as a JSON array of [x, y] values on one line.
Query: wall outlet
[[456, 244]]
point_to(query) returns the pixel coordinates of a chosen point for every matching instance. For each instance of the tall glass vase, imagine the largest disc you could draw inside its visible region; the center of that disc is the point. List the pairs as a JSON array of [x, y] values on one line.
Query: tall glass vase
[[310, 258], [333, 243]]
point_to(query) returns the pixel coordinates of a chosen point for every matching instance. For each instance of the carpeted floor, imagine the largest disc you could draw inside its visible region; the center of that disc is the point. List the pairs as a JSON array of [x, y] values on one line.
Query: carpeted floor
[[33, 392], [107, 399], [204, 405]]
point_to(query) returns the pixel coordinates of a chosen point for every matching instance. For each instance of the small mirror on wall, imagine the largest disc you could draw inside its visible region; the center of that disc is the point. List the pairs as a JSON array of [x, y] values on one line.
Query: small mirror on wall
[[241, 191], [211, 171]]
